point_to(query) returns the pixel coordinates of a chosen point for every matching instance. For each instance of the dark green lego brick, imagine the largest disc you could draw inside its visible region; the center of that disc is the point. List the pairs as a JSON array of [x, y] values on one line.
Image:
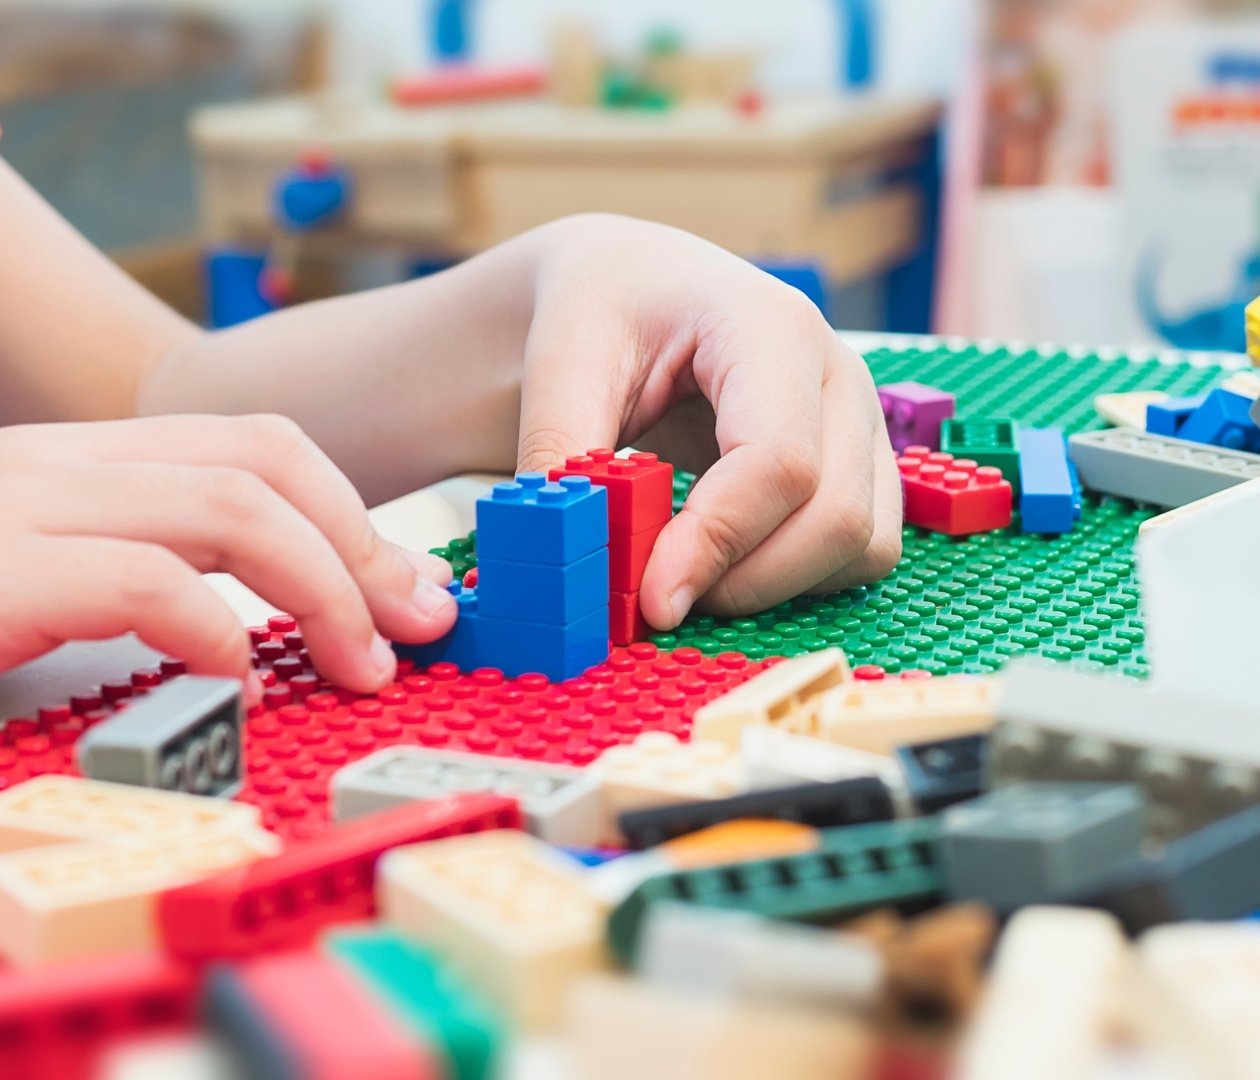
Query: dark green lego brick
[[856, 868], [971, 604], [422, 991], [986, 442]]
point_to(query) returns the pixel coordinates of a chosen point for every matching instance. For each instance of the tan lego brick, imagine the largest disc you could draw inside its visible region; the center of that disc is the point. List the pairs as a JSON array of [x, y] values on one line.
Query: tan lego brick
[[511, 912], [1246, 383], [880, 716], [64, 809], [1127, 410], [74, 900], [780, 696]]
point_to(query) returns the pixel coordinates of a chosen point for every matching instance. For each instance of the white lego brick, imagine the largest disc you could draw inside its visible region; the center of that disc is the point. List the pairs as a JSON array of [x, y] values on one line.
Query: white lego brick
[[1200, 997], [746, 957], [64, 809], [1127, 410], [878, 717], [512, 913], [1200, 586], [74, 900], [562, 804], [1196, 760], [1047, 1011], [780, 696]]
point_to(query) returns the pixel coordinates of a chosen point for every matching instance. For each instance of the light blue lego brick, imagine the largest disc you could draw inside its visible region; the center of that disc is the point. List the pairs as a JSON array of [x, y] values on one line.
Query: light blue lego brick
[[536, 592], [1047, 502], [529, 520], [1224, 419], [460, 646], [1166, 417], [559, 652]]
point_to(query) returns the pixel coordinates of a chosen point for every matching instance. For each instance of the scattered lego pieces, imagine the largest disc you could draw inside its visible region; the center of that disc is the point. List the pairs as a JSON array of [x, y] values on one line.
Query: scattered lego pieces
[[914, 414], [1223, 419], [775, 758], [986, 441], [1167, 417], [1127, 409], [1046, 499], [951, 495]]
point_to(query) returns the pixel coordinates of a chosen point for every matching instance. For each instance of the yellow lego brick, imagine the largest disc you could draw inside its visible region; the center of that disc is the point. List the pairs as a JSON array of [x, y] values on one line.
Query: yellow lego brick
[[1246, 383], [1127, 410], [512, 913], [74, 900], [656, 768], [880, 716], [781, 696], [63, 809], [629, 1029], [1253, 330]]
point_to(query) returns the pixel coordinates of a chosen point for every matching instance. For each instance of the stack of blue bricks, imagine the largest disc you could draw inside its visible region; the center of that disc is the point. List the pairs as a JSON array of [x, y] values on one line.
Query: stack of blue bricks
[[541, 601]]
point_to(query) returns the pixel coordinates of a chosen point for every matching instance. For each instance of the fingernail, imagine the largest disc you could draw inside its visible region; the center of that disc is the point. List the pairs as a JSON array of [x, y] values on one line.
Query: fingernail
[[429, 598], [680, 601], [383, 659]]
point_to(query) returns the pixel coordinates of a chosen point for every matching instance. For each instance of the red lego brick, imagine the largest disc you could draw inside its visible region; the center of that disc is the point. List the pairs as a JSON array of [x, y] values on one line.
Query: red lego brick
[[284, 901], [55, 1021], [953, 496], [640, 487], [471, 578], [628, 557], [308, 1015], [625, 621]]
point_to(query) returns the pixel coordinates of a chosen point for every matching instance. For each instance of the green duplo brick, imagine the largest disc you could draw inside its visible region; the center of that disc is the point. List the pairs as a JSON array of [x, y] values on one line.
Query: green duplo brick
[[984, 441], [856, 868], [422, 991]]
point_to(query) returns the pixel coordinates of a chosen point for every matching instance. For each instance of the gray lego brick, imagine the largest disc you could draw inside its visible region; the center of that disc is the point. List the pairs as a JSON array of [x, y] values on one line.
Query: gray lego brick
[[1196, 760], [1031, 843], [184, 735], [561, 803], [1155, 469]]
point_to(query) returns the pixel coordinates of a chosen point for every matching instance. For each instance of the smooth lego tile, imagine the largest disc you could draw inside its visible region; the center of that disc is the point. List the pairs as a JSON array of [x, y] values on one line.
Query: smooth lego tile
[[1223, 419], [61, 809], [1157, 470], [558, 652], [987, 441], [1127, 409], [538, 593], [1166, 417], [953, 495], [1047, 1010], [878, 717], [640, 487], [531, 520], [1034, 843], [782, 696], [914, 414], [626, 624], [561, 803], [282, 902], [81, 900], [1046, 500], [512, 913], [184, 735], [946, 771]]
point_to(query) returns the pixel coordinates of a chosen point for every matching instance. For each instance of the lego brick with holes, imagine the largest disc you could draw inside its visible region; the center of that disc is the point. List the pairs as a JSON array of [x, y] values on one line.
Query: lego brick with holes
[[468, 614]]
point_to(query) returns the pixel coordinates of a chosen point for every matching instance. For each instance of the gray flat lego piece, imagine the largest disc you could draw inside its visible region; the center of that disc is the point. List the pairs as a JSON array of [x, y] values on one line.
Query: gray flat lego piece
[[1156, 469], [1030, 843], [184, 735], [561, 803], [1196, 760]]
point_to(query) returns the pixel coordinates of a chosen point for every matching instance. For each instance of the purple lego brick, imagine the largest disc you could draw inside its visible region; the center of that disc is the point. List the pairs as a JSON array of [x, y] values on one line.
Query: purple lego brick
[[914, 414]]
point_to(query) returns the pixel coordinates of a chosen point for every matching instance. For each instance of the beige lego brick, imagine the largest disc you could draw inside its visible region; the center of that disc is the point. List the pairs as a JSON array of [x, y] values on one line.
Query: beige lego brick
[[75, 900], [1246, 383], [656, 769], [782, 696], [1127, 410], [511, 912], [624, 1029], [1199, 987], [1049, 1009], [61, 809], [880, 716]]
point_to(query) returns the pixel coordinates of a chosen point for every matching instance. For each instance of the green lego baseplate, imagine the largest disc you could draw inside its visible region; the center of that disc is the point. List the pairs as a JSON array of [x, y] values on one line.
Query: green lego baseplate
[[971, 604]]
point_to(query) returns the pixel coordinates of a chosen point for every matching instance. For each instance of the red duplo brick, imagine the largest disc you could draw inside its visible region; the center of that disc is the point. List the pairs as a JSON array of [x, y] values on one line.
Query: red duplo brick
[[55, 1021], [640, 487], [625, 621], [283, 901], [953, 496]]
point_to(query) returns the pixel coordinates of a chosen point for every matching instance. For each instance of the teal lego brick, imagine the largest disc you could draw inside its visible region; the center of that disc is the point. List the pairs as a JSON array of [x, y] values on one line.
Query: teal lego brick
[[986, 441]]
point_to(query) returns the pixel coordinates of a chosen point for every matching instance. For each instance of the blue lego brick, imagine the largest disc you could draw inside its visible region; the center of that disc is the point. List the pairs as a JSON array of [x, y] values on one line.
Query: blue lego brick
[[559, 652], [529, 520], [1166, 417], [536, 592], [592, 856], [461, 646], [1078, 493], [1223, 420], [1047, 503]]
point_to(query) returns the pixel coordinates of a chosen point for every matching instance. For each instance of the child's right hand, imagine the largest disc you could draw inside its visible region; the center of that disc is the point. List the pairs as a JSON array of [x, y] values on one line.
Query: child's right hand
[[106, 527]]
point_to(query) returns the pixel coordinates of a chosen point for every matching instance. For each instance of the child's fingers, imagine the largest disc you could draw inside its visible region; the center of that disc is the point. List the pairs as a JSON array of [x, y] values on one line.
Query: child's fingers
[[62, 589]]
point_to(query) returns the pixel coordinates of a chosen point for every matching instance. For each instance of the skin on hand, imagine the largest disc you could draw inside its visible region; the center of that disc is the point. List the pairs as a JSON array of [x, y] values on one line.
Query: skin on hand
[[108, 526]]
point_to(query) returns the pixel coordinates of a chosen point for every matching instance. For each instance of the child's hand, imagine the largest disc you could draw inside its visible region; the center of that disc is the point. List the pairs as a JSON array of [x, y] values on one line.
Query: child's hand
[[106, 526], [632, 322]]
